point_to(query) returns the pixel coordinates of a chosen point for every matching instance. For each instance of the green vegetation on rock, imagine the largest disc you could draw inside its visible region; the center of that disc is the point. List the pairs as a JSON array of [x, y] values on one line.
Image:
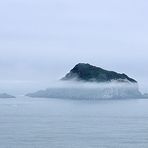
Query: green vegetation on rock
[[87, 72]]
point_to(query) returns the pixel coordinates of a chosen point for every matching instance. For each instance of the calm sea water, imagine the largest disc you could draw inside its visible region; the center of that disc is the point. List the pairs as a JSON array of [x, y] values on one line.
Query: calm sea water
[[57, 123]]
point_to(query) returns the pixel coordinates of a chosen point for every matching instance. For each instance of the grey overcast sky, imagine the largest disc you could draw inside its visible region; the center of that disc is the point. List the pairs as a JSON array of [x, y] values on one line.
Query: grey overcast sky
[[41, 40]]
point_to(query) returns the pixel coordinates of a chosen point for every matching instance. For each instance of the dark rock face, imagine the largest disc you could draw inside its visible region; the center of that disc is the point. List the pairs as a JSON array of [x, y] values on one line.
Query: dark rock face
[[4, 95], [87, 72]]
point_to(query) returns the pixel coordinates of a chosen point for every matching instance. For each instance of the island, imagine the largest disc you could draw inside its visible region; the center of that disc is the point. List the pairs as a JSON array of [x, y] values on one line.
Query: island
[[86, 81], [5, 95], [145, 95], [89, 73]]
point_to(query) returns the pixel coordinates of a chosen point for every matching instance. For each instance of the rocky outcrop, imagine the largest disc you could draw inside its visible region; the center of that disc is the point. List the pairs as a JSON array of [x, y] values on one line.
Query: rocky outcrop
[[89, 73], [4, 95], [85, 81]]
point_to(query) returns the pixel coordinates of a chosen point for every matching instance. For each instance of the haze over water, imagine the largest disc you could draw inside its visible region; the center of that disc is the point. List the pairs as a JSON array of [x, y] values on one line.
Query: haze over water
[[40, 41], [58, 123]]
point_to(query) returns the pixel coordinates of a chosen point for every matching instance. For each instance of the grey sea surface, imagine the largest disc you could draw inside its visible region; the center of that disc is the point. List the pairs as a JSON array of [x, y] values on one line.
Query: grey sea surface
[[58, 123]]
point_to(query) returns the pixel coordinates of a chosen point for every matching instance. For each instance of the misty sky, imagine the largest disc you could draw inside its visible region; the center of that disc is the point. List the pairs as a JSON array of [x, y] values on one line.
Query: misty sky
[[41, 40]]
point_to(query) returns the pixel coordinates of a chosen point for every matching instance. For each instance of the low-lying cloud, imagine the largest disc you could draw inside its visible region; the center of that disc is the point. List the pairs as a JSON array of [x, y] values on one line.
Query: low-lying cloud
[[87, 90]]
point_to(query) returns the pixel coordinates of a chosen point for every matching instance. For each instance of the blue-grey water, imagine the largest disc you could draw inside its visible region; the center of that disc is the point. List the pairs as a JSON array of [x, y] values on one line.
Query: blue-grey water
[[56, 123]]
